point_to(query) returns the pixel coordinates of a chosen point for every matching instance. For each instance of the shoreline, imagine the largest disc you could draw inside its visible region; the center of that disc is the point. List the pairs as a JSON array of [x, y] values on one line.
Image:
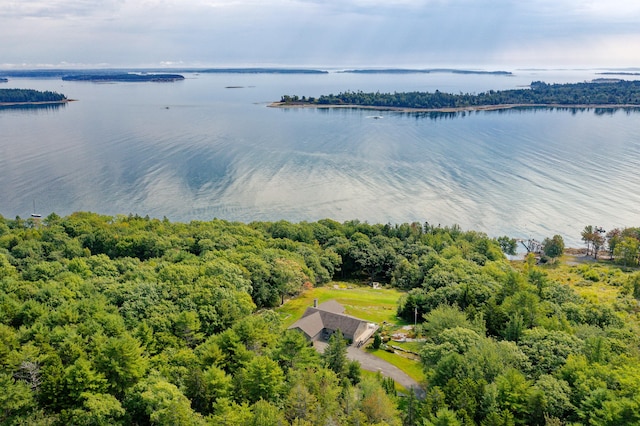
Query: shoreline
[[454, 109], [64, 101]]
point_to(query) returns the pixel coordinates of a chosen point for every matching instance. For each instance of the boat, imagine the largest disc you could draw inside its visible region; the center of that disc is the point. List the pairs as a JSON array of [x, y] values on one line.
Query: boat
[[35, 215]]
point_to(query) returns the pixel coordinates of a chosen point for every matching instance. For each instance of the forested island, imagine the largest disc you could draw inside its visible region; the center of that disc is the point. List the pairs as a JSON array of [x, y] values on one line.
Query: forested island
[[260, 71], [4, 80], [126, 77], [137, 321], [29, 96], [612, 93], [87, 73], [423, 71]]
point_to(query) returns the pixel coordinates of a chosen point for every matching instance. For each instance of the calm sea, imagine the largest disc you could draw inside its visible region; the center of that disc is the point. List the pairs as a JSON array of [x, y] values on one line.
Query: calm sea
[[198, 149]]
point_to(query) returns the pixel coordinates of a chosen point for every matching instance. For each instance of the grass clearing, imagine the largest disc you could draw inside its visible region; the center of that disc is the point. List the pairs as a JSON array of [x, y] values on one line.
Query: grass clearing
[[367, 303], [599, 282]]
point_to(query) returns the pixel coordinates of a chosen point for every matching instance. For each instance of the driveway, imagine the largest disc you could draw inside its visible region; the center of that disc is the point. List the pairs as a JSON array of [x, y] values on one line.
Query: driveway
[[373, 363]]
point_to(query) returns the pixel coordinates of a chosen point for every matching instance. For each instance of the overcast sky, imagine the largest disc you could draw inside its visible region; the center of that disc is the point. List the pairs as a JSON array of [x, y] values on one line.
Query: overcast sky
[[320, 33]]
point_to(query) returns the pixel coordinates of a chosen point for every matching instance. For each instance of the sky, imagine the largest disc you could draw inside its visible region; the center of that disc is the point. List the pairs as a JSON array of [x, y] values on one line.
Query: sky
[[483, 34]]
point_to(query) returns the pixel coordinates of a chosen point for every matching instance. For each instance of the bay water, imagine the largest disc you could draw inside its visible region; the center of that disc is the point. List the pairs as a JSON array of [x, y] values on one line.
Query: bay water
[[210, 146]]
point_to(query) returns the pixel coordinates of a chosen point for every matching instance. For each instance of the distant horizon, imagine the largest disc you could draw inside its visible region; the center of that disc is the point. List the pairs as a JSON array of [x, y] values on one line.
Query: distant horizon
[[62, 67]]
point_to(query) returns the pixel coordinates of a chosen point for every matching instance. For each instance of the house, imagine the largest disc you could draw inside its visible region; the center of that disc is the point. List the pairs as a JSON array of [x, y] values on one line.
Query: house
[[321, 321]]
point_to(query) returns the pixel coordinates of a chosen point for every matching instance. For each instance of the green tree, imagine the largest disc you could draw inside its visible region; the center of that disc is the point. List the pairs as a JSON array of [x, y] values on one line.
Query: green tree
[[293, 351], [262, 378], [508, 245], [16, 398], [335, 354], [230, 413], [166, 405], [300, 403], [377, 341], [553, 247], [626, 251], [122, 362], [266, 413], [443, 417], [376, 405], [548, 349], [80, 379], [97, 410], [513, 394]]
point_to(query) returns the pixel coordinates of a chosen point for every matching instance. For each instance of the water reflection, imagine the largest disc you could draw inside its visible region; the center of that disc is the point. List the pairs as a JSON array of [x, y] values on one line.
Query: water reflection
[[33, 108], [452, 115], [222, 153]]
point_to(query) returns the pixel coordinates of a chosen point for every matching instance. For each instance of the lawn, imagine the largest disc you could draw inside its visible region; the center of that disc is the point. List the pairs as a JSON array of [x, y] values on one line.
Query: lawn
[[412, 367], [367, 303]]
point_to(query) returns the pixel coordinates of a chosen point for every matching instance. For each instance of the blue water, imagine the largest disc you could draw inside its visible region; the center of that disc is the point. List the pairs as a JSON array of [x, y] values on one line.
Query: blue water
[[195, 150]]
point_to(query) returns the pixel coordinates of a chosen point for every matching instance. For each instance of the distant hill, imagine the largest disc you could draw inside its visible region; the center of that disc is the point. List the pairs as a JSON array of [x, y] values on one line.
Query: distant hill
[[424, 71]]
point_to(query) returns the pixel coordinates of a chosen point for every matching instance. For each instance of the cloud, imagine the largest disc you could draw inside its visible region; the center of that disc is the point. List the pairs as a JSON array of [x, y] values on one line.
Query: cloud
[[56, 9], [316, 32]]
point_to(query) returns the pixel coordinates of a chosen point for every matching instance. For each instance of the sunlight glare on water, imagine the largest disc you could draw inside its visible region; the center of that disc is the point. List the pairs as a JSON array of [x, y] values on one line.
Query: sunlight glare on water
[[195, 150]]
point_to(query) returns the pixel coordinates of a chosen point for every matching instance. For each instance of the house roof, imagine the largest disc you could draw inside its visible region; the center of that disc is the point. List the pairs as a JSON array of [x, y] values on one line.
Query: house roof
[[311, 325], [329, 315], [331, 306]]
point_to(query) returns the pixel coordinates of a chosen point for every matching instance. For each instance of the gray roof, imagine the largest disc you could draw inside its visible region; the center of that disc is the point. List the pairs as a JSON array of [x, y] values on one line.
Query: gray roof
[[330, 315], [311, 325], [331, 306]]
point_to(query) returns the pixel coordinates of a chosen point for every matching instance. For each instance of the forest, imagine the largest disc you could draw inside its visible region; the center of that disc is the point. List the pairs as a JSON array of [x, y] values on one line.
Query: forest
[[605, 92], [139, 321], [29, 95], [125, 77]]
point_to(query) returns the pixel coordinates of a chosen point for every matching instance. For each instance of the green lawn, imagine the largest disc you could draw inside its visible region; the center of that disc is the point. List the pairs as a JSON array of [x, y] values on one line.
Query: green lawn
[[374, 305], [412, 367]]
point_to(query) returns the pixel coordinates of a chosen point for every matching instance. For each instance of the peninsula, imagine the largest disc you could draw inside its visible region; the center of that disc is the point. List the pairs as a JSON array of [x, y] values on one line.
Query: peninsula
[[605, 93]]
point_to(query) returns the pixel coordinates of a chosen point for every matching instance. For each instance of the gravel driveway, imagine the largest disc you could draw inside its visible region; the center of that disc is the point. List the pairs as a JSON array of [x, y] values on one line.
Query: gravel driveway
[[372, 363]]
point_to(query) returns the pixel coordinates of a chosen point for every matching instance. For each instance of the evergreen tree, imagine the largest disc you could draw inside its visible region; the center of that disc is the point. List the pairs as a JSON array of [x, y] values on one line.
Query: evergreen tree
[[335, 354]]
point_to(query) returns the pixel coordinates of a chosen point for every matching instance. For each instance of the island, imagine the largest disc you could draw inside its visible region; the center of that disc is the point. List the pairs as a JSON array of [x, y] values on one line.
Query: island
[[259, 71], [604, 93], [4, 80], [9, 97], [423, 71], [124, 77]]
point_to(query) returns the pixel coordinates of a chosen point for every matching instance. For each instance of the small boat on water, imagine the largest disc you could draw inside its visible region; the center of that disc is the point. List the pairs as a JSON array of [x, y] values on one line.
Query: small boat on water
[[34, 214]]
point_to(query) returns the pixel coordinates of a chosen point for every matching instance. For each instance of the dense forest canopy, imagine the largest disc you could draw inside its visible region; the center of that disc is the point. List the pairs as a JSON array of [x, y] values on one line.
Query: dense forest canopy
[[607, 92], [29, 95], [132, 320]]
